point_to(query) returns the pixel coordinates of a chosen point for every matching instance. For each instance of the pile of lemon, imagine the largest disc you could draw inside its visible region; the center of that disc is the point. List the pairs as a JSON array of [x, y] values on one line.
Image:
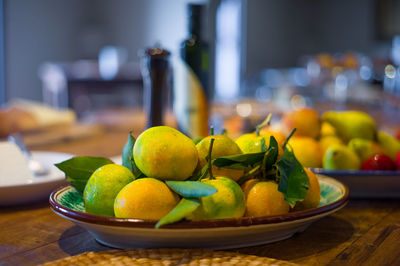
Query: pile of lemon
[[163, 154]]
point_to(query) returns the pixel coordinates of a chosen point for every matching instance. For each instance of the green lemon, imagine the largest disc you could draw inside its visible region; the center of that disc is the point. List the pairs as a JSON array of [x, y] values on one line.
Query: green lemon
[[165, 153], [251, 143], [103, 186], [228, 202], [223, 146]]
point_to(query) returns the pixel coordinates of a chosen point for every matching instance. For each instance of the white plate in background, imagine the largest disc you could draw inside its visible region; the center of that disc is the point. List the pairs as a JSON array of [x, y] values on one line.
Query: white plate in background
[[37, 188]]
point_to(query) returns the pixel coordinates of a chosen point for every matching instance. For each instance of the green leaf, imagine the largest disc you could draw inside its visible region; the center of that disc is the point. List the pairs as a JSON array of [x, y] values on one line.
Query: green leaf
[[237, 166], [272, 154], [293, 182], [200, 174], [191, 189], [127, 156], [181, 210], [78, 169], [247, 159]]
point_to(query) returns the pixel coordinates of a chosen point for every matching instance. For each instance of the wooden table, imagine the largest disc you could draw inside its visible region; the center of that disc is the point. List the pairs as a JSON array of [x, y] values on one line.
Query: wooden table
[[365, 231]]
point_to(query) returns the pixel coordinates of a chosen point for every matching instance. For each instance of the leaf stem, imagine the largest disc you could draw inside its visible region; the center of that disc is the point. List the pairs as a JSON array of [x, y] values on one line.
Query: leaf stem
[[288, 138], [209, 157], [249, 175], [263, 124]]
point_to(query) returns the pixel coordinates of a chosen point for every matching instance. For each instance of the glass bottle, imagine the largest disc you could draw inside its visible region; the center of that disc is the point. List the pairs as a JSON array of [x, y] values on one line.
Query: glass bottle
[[191, 94], [155, 71]]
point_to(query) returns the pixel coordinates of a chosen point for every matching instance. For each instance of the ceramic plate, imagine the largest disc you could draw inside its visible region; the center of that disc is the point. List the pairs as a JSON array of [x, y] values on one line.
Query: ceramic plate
[[214, 234], [367, 184], [36, 188]]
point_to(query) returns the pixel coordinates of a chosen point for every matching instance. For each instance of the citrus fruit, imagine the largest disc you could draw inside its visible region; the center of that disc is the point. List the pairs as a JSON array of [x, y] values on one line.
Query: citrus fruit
[[103, 186], [263, 198], [228, 202], [280, 137], [145, 198], [305, 120], [251, 143], [223, 146], [327, 130], [165, 153], [313, 195], [326, 141], [307, 150]]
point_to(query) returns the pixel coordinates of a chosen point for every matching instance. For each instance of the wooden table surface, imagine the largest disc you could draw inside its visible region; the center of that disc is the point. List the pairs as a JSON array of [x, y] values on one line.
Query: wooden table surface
[[364, 232]]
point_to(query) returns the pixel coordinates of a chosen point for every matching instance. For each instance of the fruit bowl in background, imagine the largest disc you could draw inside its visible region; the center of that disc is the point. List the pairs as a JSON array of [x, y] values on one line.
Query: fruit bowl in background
[[215, 234], [367, 184]]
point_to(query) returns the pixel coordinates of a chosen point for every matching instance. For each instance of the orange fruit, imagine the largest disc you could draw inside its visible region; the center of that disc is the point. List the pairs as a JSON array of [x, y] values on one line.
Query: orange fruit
[[145, 198], [103, 186], [329, 140], [227, 202], [264, 199], [313, 195], [165, 153], [279, 136], [305, 120], [223, 146], [307, 150]]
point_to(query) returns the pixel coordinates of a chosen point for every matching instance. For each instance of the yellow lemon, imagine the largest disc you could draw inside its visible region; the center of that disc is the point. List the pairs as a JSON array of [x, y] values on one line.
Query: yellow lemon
[[307, 150], [165, 153], [145, 198], [251, 143], [223, 146], [313, 195], [264, 199], [329, 140]]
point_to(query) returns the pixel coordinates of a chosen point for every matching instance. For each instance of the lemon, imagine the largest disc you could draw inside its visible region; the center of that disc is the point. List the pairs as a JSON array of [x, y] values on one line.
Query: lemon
[[165, 153], [228, 202], [251, 143], [223, 146], [263, 198], [307, 150], [313, 195], [103, 186], [145, 198]]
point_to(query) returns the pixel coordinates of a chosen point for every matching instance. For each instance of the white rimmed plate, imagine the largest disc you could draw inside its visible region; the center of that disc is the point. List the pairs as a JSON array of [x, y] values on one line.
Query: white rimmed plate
[[214, 234], [34, 189]]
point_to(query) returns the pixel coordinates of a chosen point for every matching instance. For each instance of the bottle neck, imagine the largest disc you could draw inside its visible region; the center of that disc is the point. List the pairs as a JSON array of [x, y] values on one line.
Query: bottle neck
[[194, 26]]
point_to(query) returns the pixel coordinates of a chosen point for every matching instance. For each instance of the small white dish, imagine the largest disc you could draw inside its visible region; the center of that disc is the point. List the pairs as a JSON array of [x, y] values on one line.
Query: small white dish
[[34, 188], [211, 234]]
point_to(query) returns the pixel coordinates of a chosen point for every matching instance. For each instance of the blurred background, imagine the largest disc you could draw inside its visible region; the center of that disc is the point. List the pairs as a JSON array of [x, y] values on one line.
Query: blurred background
[[263, 54]]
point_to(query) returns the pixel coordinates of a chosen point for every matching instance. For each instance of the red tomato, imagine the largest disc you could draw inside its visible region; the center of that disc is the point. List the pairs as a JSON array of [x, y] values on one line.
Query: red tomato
[[398, 161], [379, 162]]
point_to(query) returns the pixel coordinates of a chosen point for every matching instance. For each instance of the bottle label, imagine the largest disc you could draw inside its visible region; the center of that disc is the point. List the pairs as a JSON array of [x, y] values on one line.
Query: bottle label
[[190, 101]]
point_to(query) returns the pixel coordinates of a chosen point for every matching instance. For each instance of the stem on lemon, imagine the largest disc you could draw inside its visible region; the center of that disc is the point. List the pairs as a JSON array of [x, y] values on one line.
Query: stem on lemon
[[288, 138], [212, 131], [263, 124], [248, 175], [209, 158]]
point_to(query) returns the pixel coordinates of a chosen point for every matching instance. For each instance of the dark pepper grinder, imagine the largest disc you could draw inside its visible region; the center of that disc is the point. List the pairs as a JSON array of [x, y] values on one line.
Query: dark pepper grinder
[[155, 69]]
